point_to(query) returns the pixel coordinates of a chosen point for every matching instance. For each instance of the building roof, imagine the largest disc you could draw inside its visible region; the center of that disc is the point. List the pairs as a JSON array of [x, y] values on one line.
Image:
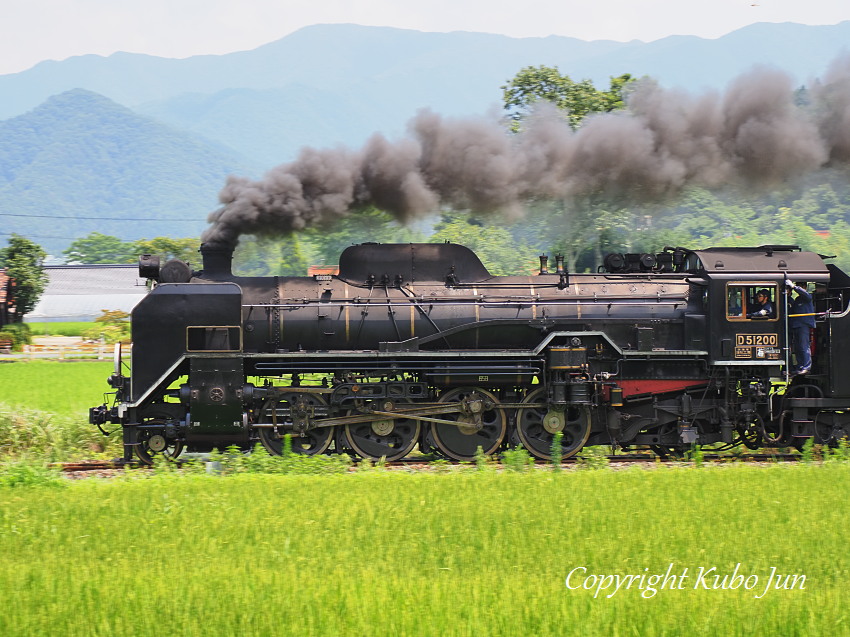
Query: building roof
[[82, 292], [80, 280]]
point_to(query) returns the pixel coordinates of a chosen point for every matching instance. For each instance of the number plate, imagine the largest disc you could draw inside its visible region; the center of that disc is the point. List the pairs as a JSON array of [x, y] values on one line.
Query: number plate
[[756, 340], [759, 346]]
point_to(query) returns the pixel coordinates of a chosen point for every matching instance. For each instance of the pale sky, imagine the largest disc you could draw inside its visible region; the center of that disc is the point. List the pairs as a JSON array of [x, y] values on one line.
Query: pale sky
[[36, 30]]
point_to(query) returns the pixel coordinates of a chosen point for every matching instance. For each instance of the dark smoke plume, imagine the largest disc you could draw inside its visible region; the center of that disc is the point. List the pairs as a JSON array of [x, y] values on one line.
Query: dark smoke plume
[[753, 136]]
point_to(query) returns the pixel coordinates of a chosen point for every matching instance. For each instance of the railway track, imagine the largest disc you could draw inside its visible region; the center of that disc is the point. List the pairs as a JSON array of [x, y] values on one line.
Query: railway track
[[98, 465]]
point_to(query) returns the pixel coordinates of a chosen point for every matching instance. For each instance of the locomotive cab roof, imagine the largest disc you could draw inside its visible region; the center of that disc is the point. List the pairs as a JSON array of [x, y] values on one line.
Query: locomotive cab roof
[[788, 261]]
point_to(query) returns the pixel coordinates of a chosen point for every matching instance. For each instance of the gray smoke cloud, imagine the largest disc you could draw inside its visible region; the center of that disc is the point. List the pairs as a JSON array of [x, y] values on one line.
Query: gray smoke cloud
[[752, 136]]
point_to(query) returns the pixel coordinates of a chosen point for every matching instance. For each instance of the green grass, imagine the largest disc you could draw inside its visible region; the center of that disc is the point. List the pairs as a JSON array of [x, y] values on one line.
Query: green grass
[[44, 409], [59, 387], [59, 328], [384, 553]]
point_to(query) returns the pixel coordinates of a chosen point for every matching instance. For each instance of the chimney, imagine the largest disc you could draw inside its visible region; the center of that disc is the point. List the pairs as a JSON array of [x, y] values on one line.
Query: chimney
[[217, 259]]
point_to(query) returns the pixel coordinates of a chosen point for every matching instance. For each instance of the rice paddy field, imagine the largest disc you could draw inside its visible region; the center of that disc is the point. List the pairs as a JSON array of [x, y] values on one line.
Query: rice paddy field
[[63, 388], [44, 409], [59, 328], [471, 553], [729, 549]]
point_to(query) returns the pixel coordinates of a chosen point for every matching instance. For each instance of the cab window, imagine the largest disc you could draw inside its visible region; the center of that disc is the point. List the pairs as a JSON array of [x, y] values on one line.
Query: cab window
[[751, 302], [213, 339]]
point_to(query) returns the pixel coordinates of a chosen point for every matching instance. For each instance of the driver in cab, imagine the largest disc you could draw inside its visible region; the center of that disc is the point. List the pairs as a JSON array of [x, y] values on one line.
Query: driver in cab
[[764, 308]]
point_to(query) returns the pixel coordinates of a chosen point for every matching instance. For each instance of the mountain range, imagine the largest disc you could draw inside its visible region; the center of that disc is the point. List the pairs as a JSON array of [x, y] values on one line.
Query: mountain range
[[133, 136]]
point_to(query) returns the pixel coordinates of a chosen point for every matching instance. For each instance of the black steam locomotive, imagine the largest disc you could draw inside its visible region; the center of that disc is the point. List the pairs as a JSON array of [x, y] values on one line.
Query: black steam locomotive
[[418, 344]]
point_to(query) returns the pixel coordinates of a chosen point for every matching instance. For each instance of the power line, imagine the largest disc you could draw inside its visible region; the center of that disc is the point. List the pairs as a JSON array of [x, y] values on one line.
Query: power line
[[53, 236], [35, 236], [9, 214]]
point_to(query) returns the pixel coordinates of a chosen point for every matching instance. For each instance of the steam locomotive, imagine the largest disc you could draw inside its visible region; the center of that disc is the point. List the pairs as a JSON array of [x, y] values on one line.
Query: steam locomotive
[[419, 345]]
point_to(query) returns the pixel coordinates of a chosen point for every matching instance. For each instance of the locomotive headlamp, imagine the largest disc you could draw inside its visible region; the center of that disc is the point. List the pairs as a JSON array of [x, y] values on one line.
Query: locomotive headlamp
[[149, 267]]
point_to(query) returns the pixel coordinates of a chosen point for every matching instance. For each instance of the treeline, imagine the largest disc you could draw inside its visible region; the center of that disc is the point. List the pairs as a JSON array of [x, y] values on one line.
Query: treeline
[[292, 255], [814, 215]]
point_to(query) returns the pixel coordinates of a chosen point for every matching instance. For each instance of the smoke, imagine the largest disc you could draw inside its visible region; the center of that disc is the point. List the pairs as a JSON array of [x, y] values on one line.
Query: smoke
[[753, 136]]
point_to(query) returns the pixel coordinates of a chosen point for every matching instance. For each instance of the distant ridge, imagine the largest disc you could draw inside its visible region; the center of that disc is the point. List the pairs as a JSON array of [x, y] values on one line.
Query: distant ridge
[[337, 83], [331, 57], [82, 155]]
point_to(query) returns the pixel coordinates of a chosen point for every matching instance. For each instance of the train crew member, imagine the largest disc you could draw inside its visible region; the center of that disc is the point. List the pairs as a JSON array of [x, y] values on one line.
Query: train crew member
[[764, 308], [801, 322]]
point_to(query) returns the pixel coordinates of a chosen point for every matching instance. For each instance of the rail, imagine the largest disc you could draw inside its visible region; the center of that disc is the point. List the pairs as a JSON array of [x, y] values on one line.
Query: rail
[[426, 462]]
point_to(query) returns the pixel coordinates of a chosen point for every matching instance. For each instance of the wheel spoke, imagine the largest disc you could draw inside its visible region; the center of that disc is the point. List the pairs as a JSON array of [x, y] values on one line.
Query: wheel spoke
[[310, 442], [481, 423], [152, 443], [537, 426], [172, 450], [387, 438]]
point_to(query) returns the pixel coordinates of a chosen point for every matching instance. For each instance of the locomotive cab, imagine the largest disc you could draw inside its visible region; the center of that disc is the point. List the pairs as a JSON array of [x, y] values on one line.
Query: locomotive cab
[[747, 302]]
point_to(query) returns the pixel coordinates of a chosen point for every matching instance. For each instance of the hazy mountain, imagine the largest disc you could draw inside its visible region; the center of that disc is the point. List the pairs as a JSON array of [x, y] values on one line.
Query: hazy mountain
[[80, 162], [329, 84], [270, 125]]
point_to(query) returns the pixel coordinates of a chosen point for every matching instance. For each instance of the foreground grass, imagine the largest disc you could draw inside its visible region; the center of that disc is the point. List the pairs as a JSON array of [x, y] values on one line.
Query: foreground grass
[[395, 554]]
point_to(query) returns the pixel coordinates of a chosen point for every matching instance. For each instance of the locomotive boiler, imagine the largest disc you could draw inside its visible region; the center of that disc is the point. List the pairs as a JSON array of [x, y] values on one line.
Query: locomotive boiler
[[419, 346]]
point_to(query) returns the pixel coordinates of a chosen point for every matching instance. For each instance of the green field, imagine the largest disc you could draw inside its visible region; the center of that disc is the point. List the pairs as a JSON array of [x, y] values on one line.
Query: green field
[[383, 553], [59, 387], [372, 553], [44, 408], [59, 328]]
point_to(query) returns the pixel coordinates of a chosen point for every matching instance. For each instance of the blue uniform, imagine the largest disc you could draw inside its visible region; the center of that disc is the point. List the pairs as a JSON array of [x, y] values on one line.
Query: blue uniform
[[764, 311], [801, 327]]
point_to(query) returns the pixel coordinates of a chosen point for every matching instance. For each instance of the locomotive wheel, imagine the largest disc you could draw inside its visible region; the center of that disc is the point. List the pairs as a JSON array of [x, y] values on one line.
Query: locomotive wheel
[[481, 424], [309, 443], [391, 439], [153, 443], [537, 427]]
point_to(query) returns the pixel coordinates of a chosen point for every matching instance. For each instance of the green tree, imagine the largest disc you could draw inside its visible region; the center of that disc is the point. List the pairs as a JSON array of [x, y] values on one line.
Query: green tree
[[111, 326], [821, 207], [24, 263], [266, 256], [576, 100], [100, 248], [168, 248], [498, 250], [104, 248], [370, 224], [576, 228]]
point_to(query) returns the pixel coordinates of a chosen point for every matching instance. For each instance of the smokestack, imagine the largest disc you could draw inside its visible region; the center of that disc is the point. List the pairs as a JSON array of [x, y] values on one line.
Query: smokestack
[[217, 259]]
